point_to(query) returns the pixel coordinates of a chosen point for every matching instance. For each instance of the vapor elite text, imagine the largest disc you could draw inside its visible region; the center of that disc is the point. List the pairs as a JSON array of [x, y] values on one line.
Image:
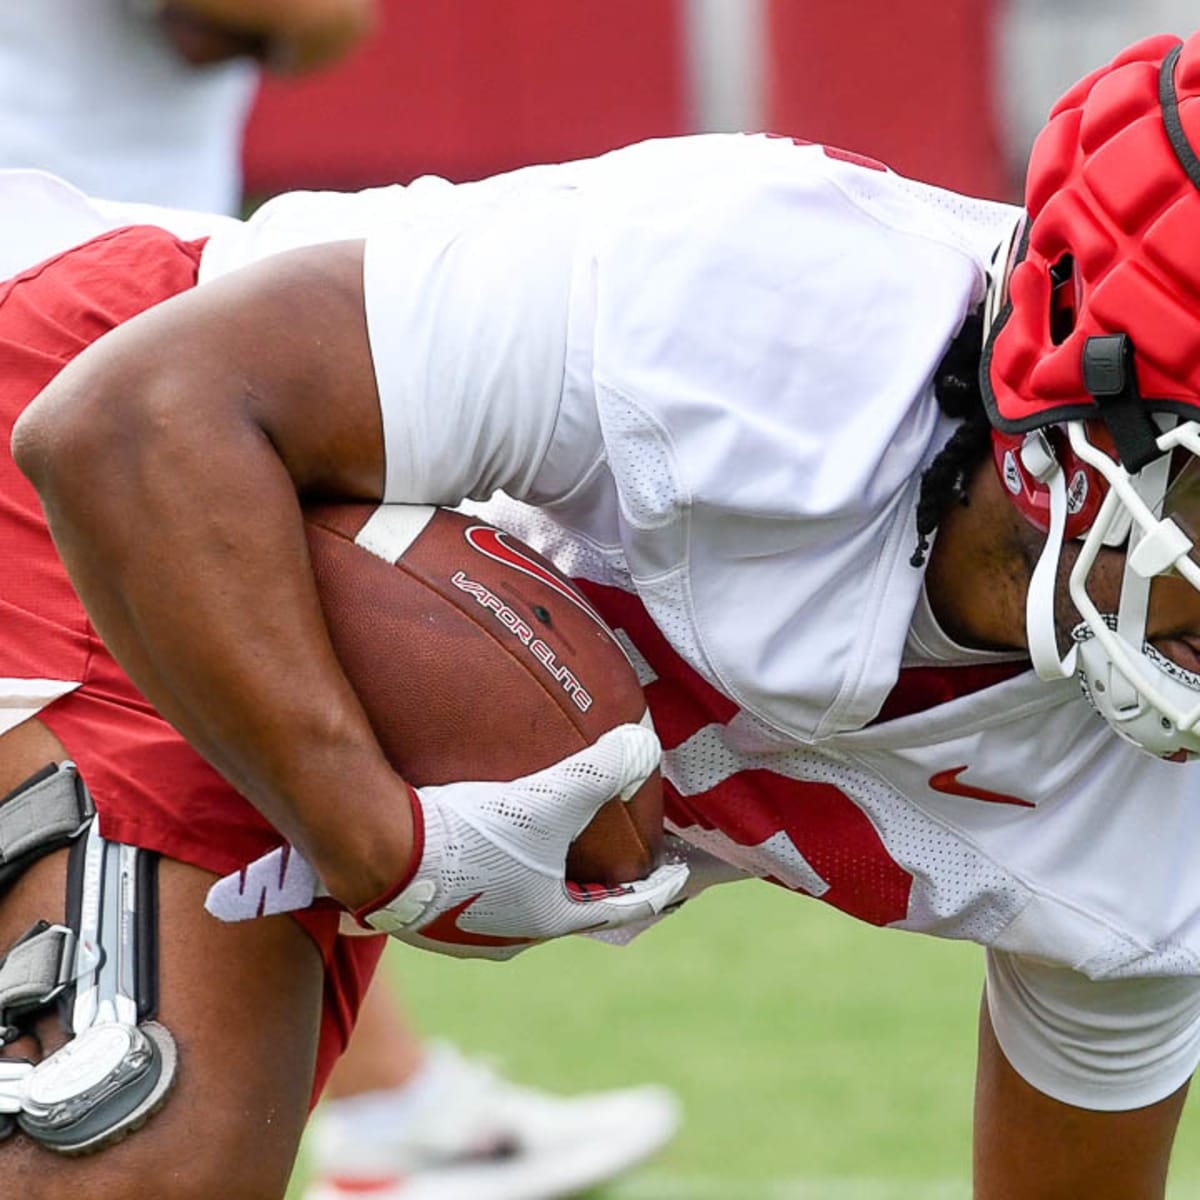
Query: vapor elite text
[[520, 629]]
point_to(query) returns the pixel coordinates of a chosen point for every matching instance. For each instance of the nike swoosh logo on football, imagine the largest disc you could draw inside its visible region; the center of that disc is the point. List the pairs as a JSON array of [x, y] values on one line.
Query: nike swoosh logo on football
[[495, 544], [445, 928], [949, 783]]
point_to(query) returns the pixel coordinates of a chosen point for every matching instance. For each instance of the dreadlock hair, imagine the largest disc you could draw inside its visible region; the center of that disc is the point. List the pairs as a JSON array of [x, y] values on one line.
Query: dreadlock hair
[[956, 386]]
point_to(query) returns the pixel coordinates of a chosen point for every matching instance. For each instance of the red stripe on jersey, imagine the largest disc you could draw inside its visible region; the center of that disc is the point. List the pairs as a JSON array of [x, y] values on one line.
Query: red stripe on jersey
[[835, 152], [750, 807], [693, 702], [921, 688], [836, 838]]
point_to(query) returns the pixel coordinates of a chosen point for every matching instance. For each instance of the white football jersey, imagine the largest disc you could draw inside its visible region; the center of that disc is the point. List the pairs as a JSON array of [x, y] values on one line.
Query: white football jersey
[[702, 367], [708, 363]]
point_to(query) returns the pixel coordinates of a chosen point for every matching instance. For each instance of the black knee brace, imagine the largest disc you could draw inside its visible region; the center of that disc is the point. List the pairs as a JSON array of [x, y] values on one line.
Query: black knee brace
[[100, 969]]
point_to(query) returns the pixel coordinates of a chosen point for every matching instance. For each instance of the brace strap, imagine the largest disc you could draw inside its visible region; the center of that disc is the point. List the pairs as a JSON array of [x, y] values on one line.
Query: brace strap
[[45, 812], [34, 971]]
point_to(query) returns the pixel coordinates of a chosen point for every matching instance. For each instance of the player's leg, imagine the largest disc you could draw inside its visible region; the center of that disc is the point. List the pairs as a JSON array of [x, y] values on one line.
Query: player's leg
[[1029, 1146], [244, 1005], [385, 1051]]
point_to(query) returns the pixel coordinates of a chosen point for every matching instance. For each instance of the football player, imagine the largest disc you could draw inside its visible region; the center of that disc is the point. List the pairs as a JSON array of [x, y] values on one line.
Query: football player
[[96, 1008], [872, 476]]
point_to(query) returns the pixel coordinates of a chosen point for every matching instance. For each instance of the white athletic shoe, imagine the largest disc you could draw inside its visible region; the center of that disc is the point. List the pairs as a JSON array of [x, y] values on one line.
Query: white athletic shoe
[[476, 1136]]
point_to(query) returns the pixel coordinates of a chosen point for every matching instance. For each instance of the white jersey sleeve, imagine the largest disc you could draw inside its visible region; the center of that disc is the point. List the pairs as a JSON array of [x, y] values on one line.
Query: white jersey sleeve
[[467, 321], [467, 289]]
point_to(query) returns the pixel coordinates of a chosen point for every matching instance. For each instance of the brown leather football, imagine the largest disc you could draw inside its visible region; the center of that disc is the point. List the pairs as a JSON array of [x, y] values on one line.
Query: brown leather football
[[475, 659]]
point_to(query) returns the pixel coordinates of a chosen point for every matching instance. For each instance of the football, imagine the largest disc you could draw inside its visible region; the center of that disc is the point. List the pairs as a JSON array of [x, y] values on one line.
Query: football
[[476, 660]]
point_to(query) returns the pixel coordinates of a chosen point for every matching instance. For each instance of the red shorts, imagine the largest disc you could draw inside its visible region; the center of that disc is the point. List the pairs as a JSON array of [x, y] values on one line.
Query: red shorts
[[151, 789]]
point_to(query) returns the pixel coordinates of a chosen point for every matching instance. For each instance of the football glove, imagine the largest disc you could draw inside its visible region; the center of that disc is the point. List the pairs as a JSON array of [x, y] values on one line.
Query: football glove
[[490, 874]]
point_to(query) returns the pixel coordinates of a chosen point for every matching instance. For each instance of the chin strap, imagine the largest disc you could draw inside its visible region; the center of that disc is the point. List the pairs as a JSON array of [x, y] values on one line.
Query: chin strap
[[1039, 460]]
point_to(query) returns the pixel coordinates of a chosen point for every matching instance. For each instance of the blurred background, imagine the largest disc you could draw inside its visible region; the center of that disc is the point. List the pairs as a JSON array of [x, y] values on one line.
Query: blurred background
[[951, 91], [816, 1058]]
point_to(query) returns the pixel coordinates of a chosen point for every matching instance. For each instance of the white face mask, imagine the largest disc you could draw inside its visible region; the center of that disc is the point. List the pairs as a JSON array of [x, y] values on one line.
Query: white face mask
[[1147, 698]]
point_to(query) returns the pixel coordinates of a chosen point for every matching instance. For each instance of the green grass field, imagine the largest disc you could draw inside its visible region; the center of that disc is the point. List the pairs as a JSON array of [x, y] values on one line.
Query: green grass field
[[817, 1058]]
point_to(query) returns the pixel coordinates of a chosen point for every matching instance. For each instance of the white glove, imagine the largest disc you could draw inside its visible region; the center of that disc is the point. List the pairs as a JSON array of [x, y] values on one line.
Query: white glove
[[704, 870], [491, 878]]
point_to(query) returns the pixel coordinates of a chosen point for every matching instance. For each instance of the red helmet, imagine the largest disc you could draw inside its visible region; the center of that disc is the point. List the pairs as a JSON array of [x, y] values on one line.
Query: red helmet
[[1102, 314], [1091, 371]]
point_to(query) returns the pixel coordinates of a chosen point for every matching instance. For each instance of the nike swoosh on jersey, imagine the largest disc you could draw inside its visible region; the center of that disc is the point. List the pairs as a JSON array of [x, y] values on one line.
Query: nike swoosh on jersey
[[445, 928], [949, 783]]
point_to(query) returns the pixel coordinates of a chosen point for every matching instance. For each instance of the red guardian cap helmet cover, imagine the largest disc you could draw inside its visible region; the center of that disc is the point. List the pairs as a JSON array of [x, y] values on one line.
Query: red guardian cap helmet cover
[[1091, 372], [1111, 245]]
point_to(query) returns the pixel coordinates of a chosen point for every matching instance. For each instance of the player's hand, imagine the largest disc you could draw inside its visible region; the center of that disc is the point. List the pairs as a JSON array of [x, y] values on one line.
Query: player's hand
[[490, 880], [704, 870]]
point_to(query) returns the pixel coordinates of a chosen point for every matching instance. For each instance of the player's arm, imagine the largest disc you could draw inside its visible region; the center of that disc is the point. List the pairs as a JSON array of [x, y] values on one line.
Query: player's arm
[[171, 457], [288, 35]]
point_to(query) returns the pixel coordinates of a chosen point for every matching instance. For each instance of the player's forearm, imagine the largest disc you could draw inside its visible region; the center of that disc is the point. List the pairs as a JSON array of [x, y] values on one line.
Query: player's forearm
[[201, 596], [178, 519]]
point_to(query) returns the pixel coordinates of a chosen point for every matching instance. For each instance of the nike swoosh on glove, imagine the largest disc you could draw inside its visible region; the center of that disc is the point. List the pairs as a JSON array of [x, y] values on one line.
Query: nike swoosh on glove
[[490, 879]]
